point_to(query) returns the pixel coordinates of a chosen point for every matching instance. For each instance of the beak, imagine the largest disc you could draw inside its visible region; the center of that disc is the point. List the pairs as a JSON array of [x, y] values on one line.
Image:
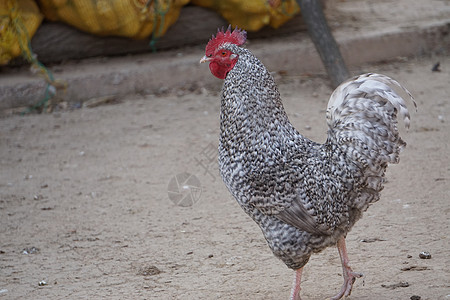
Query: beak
[[205, 59]]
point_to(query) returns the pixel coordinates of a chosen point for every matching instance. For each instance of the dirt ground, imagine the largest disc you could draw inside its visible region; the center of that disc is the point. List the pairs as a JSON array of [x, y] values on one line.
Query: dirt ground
[[90, 208]]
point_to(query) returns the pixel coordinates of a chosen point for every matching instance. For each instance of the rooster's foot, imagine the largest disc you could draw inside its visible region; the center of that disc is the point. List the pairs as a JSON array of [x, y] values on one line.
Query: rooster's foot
[[349, 275], [349, 279]]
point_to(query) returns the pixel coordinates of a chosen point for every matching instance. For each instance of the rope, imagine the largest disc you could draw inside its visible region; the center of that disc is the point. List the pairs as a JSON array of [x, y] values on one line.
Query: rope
[[16, 30], [157, 30]]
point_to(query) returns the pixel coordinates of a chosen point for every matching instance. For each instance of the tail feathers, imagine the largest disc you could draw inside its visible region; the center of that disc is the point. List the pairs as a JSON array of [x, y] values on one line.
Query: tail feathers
[[379, 85], [362, 119]]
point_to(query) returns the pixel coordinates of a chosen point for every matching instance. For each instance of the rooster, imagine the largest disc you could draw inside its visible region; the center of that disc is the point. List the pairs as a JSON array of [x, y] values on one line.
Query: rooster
[[305, 196]]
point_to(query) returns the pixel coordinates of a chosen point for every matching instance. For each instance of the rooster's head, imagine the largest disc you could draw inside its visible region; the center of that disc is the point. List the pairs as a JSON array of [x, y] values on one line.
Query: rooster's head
[[223, 60]]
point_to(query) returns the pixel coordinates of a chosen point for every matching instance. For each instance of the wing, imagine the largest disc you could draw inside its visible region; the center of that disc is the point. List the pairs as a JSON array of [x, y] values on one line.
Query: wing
[[293, 212], [309, 192], [298, 216]]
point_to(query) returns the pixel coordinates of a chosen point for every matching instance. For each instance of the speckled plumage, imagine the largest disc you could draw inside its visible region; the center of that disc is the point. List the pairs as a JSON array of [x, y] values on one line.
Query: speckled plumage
[[305, 195]]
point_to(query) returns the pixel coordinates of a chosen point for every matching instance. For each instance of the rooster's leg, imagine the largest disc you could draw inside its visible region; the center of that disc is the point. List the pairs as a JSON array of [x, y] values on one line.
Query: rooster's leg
[[349, 275], [295, 292]]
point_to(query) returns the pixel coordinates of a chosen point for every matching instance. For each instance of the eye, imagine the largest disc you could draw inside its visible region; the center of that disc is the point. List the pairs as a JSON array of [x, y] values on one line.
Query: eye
[[210, 55], [223, 53]]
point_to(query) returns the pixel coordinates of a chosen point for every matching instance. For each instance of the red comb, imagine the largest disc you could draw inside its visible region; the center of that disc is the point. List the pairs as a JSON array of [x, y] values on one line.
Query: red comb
[[237, 37]]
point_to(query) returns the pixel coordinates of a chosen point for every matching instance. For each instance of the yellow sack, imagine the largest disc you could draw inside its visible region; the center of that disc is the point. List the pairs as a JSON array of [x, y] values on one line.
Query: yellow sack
[[128, 18], [19, 20], [252, 15]]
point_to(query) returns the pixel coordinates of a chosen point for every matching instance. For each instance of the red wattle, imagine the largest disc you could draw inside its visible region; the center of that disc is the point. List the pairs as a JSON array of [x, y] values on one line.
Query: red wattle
[[218, 70]]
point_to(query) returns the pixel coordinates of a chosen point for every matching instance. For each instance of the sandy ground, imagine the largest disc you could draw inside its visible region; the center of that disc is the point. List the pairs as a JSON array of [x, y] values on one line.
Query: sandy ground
[[89, 207]]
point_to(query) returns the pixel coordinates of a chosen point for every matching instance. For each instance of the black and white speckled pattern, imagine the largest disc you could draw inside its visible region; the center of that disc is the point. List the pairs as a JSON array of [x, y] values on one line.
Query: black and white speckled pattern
[[302, 194]]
